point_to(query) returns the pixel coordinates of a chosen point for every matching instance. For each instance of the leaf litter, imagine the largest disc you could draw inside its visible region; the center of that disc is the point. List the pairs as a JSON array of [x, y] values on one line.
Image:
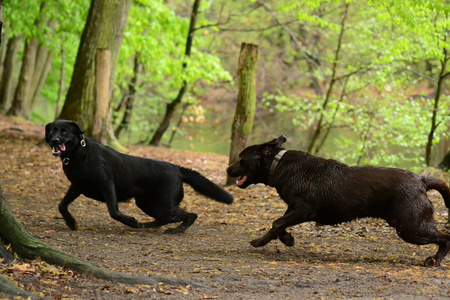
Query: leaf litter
[[362, 259]]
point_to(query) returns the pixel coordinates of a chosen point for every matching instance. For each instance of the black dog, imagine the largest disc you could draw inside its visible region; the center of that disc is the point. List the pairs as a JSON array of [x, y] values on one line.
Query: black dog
[[329, 192], [104, 174]]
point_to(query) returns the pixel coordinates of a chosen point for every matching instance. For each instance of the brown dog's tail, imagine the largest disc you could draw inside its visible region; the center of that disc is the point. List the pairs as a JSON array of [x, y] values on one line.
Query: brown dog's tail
[[432, 183]]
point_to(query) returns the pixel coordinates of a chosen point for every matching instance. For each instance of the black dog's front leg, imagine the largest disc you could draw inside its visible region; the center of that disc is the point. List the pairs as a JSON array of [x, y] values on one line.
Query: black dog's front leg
[[70, 196], [278, 230], [113, 209]]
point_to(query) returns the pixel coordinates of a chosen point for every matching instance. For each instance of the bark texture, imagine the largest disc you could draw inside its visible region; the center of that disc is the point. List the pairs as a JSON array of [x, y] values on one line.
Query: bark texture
[[246, 102]]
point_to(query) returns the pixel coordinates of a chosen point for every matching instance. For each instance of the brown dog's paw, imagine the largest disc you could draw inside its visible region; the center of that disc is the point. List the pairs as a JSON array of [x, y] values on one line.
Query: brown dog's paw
[[258, 243], [431, 262], [287, 239]]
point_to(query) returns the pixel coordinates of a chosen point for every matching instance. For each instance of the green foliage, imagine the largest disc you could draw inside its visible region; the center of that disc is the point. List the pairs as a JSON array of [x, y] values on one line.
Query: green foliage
[[159, 36], [368, 111]]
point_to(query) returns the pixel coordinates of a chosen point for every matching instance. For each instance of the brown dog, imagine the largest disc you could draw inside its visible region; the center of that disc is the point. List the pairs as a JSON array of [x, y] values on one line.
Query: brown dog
[[329, 192]]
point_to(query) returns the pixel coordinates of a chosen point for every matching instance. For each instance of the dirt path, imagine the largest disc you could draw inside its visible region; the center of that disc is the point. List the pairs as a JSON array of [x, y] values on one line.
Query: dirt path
[[363, 259]]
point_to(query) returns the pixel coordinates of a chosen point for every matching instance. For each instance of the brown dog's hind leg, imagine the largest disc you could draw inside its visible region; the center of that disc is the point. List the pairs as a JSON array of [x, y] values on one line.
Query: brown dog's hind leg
[[422, 233], [444, 247]]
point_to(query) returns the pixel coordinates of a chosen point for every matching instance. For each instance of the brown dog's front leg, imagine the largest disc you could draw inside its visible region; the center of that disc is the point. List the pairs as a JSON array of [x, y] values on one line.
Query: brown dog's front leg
[[278, 230]]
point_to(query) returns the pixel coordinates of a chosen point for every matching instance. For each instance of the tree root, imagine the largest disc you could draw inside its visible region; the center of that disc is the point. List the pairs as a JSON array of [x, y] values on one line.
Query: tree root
[[26, 246], [10, 289]]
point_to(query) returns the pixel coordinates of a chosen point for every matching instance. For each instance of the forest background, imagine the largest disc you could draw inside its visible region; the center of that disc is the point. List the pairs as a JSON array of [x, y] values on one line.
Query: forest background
[[359, 81]]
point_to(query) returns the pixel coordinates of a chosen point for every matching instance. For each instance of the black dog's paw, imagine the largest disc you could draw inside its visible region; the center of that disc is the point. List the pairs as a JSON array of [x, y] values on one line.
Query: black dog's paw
[[71, 223], [152, 224], [175, 230], [287, 239], [258, 243], [430, 262]]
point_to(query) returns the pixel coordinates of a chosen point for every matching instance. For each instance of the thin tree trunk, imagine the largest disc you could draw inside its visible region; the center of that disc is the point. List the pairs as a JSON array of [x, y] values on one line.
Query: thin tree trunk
[[8, 71], [102, 80], [22, 95], [434, 124], [1, 20], [180, 119], [40, 81], [129, 97], [42, 67], [445, 163], [61, 77], [246, 102], [170, 107], [313, 147]]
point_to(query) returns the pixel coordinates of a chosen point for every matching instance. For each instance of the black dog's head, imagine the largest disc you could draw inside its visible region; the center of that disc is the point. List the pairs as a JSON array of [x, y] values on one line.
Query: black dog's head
[[254, 162], [64, 137]]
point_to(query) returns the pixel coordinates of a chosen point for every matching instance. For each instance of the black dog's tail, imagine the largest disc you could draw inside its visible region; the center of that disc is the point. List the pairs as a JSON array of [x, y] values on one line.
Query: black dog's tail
[[204, 186], [432, 183]]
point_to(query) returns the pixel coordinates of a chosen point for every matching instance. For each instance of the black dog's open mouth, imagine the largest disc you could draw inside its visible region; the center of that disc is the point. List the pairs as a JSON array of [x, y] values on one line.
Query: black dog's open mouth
[[56, 150], [241, 180]]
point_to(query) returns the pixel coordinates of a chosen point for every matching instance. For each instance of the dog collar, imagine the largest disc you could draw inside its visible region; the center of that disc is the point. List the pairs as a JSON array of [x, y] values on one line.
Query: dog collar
[[274, 164], [66, 160]]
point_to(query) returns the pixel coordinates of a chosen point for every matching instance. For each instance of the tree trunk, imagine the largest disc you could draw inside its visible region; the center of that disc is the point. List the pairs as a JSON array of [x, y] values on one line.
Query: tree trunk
[[22, 97], [445, 163], [170, 107], [104, 29], [129, 97], [79, 98], [102, 76], [8, 71], [314, 145], [1, 21], [40, 80], [434, 124], [41, 69], [61, 77], [246, 102]]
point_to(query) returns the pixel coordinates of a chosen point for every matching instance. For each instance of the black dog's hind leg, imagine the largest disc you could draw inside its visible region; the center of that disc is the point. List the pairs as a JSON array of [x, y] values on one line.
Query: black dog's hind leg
[[278, 230], [70, 196], [163, 207], [186, 218]]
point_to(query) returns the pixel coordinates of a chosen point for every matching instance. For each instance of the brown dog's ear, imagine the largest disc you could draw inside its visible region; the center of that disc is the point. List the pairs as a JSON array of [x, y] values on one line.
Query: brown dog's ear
[[275, 143], [282, 139], [278, 141]]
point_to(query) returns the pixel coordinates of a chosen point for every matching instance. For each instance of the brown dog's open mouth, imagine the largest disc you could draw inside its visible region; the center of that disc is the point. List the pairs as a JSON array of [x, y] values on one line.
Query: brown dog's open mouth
[[58, 149], [241, 180]]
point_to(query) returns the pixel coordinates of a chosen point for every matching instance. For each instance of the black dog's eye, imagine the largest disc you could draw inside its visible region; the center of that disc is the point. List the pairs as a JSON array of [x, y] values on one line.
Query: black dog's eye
[[65, 133]]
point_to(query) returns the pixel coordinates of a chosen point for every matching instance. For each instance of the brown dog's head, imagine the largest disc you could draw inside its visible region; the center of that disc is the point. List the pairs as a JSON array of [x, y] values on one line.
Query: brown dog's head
[[64, 137], [254, 163]]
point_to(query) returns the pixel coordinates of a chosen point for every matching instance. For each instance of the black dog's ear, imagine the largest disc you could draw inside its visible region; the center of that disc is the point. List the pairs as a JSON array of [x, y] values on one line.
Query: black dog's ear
[[78, 127]]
